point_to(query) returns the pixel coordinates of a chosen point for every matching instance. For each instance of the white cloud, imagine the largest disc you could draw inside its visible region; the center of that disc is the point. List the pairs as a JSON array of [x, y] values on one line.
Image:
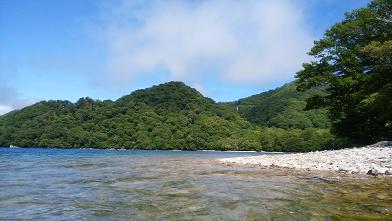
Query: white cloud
[[10, 100], [240, 41], [5, 109], [9, 96]]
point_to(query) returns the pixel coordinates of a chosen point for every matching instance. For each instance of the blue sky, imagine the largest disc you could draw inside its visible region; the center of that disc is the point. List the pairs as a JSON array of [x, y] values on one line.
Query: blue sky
[[67, 49]]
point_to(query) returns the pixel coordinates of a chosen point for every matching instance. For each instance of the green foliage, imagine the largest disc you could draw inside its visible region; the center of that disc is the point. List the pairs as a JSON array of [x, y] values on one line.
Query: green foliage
[[282, 108], [167, 116], [295, 140], [353, 61]]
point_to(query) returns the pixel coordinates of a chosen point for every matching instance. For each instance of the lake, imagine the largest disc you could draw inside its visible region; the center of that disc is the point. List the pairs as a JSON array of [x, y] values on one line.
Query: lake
[[84, 184]]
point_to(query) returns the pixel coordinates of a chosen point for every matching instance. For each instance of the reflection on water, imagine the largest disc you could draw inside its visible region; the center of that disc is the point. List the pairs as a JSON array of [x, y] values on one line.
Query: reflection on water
[[164, 185]]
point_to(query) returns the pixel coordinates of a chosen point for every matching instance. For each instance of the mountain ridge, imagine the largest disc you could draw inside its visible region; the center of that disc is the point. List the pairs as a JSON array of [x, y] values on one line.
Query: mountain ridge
[[166, 116]]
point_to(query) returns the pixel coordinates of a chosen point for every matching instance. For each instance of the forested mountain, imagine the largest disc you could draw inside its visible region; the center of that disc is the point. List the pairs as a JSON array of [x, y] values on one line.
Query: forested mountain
[[171, 116], [350, 78], [283, 108]]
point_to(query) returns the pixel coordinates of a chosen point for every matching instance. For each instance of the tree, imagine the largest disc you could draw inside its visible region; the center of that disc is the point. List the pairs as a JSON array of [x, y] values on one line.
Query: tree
[[167, 116], [354, 62]]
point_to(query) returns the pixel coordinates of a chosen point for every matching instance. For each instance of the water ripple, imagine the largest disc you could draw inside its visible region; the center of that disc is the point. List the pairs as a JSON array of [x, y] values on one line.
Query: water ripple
[[56, 184]]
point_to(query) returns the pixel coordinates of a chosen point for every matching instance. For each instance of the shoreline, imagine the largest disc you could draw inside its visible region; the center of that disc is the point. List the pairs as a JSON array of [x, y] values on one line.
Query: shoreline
[[374, 159], [173, 150]]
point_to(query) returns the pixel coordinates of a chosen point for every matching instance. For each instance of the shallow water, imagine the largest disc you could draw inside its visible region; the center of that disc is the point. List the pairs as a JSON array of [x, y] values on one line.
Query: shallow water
[[74, 184]]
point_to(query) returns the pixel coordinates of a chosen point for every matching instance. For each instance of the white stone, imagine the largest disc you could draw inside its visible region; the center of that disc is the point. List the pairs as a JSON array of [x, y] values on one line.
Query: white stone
[[377, 158]]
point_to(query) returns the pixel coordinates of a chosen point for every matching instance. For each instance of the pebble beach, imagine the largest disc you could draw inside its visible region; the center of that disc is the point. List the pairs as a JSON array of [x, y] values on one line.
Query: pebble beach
[[374, 159]]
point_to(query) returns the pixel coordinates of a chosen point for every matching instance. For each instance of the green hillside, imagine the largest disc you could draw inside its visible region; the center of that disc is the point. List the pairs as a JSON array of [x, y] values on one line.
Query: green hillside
[[283, 108], [171, 116], [168, 116]]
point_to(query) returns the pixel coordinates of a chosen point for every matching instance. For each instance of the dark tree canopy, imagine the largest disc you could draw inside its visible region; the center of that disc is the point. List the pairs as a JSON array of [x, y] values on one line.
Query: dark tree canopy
[[354, 62]]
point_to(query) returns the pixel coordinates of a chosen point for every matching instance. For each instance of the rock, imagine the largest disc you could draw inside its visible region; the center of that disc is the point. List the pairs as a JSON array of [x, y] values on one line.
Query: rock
[[373, 172], [382, 144], [373, 160]]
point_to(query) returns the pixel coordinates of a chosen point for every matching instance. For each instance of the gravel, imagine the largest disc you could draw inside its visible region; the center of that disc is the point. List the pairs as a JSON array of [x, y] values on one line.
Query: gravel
[[374, 159]]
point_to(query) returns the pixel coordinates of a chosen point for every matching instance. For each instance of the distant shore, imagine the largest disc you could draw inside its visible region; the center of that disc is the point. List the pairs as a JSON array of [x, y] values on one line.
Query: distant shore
[[374, 159], [174, 150]]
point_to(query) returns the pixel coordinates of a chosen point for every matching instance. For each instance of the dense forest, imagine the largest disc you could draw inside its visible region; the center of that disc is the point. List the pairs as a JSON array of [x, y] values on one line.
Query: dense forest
[[171, 116], [342, 97], [353, 62], [283, 108]]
